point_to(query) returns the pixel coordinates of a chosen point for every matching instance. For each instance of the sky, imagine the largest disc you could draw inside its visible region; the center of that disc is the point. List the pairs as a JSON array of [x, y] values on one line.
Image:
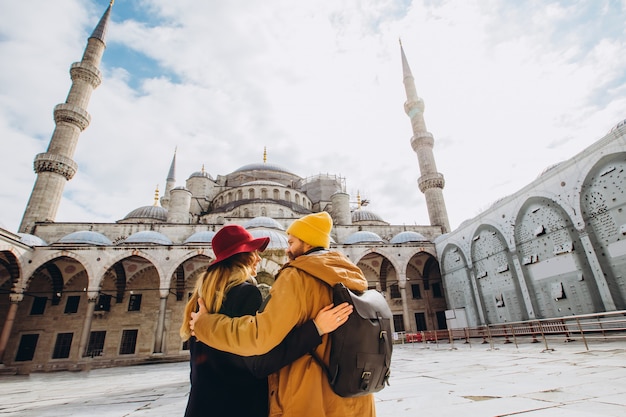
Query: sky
[[511, 88]]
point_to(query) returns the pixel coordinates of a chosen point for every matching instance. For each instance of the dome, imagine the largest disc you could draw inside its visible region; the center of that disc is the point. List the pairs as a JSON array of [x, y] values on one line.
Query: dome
[[278, 240], [262, 167], [408, 236], [31, 240], [363, 237], [86, 237], [148, 236], [200, 174], [148, 212], [262, 182], [262, 221], [204, 236], [361, 215]]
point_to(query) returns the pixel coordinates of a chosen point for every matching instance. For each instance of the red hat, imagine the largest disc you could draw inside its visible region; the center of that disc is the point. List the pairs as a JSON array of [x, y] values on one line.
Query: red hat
[[233, 239]]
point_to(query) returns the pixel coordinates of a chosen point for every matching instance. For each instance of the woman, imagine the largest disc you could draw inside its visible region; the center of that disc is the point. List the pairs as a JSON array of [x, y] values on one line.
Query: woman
[[223, 384]]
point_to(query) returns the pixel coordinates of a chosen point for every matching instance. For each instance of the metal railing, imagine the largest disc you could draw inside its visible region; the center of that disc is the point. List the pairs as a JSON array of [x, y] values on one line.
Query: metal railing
[[586, 327]]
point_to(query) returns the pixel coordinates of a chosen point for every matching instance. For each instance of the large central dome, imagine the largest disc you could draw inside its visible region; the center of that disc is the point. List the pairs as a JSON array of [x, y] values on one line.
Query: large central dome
[[261, 166], [262, 172]]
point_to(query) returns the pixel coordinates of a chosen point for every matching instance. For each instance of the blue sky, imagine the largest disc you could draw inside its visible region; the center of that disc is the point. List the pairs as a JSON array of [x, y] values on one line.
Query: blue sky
[[510, 88]]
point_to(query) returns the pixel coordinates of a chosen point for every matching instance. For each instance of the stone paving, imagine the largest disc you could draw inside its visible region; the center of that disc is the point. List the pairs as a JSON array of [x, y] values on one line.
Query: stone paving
[[427, 379]]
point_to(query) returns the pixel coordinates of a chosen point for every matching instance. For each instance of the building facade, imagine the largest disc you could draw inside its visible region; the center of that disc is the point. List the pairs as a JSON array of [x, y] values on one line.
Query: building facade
[[83, 295], [555, 248]]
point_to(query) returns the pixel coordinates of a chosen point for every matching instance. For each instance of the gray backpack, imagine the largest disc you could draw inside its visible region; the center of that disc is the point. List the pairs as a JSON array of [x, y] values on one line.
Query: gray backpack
[[360, 349]]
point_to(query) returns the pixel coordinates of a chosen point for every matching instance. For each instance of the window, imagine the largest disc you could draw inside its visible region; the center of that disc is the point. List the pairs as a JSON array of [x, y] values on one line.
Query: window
[[39, 306], [129, 341], [62, 346], [26, 350], [395, 291], [415, 289], [71, 306], [442, 324], [134, 303], [420, 321], [398, 322], [96, 343], [437, 290], [104, 303]]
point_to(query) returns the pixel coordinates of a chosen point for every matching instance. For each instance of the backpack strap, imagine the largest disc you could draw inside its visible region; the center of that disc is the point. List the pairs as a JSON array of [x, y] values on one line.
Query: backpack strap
[[385, 341], [312, 352]]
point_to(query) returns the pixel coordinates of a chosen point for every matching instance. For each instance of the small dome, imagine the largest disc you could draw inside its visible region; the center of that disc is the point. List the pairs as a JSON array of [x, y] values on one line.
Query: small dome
[[148, 212], [363, 237], [148, 236], [31, 240], [262, 221], [408, 236], [200, 174], [278, 240], [361, 215], [86, 237], [204, 236]]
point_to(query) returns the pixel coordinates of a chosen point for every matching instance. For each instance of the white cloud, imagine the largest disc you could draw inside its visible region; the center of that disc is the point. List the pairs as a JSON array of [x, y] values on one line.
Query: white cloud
[[510, 88]]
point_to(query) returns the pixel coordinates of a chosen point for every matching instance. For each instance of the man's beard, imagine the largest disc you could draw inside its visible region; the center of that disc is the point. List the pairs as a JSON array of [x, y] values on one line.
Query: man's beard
[[293, 255]]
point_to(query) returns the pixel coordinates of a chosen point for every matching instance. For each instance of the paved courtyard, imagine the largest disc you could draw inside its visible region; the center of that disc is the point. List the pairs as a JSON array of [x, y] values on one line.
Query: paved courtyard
[[427, 379]]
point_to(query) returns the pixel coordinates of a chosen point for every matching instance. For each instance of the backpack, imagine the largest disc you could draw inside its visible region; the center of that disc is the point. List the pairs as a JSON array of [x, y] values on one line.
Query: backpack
[[360, 349]]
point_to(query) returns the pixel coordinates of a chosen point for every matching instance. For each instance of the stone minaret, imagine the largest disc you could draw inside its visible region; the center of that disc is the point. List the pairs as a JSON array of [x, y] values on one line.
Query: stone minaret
[[55, 167], [431, 182], [170, 183]]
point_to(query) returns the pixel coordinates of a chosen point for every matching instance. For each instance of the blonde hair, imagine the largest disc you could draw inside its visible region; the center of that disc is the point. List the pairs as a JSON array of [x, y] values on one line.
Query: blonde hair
[[213, 285]]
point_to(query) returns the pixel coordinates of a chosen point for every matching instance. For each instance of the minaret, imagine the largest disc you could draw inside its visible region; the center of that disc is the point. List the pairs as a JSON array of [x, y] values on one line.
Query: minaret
[[431, 182], [170, 182], [55, 167]]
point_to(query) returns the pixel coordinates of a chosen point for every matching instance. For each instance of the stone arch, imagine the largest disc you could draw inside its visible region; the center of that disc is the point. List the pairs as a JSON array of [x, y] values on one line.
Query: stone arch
[[553, 261], [603, 208], [460, 294], [10, 271], [497, 282]]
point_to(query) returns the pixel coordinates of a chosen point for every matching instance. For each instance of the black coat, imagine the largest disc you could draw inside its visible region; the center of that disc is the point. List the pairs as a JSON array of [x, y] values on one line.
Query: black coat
[[223, 384]]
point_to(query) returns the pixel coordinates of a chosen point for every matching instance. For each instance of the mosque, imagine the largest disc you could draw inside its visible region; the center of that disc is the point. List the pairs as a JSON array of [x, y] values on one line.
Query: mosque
[[82, 295]]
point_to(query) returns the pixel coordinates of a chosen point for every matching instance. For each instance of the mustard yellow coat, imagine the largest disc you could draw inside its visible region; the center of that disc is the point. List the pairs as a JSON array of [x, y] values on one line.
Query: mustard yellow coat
[[300, 389]]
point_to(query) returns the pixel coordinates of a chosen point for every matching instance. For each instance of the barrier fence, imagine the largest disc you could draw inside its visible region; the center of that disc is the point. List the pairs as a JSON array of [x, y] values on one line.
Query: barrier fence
[[586, 327]]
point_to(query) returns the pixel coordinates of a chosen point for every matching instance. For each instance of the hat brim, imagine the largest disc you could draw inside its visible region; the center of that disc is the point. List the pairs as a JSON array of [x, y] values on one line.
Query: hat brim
[[256, 244]]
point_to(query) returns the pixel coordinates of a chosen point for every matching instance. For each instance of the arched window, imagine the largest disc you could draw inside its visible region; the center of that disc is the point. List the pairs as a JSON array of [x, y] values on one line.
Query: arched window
[[276, 194], [287, 196], [263, 192], [251, 193]]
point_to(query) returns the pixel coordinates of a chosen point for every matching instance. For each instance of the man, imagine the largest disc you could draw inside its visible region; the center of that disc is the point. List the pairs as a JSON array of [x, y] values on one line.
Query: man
[[302, 288]]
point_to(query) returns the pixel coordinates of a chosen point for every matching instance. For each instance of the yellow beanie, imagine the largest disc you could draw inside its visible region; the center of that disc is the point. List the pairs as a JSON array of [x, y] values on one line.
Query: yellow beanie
[[313, 229]]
